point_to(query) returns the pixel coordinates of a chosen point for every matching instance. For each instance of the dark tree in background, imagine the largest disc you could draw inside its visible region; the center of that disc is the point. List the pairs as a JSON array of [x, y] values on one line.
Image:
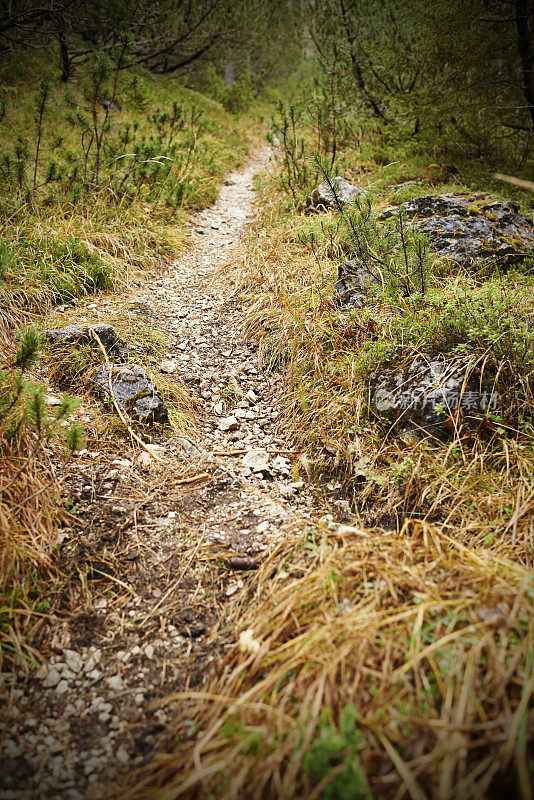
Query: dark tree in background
[[444, 68], [167, 35], [460, 69]]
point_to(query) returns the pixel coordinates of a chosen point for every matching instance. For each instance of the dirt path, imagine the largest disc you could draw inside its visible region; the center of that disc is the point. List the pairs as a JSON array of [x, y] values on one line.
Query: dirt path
[[163, 559]]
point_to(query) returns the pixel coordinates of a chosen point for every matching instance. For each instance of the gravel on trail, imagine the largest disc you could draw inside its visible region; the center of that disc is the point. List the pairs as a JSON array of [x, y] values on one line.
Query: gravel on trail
[[165, 543]]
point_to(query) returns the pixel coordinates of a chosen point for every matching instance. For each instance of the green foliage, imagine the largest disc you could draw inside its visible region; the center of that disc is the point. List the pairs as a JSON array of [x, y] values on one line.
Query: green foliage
[[285, 132], [239, 97], [430, 73], [27, 350], [74, 437], [333, 748], [392, 251], [23, 408]]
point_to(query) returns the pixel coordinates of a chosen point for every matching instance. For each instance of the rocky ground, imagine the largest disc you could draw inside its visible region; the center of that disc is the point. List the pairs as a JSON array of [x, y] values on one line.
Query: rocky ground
[[158, 548]]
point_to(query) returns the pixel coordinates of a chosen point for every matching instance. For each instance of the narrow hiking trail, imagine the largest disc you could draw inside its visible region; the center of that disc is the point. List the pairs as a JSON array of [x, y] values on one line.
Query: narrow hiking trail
[[164, 544]]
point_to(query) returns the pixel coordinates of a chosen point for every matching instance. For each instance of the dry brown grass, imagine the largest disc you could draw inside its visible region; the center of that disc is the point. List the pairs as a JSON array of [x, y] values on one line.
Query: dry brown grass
[[477, 488], [426, 628], [29, 513], [429, 640]]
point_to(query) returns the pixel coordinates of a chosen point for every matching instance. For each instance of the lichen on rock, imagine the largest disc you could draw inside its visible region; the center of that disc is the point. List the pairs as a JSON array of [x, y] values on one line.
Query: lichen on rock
[[353, 283], [74, 335], [133, 392], [471, 227]]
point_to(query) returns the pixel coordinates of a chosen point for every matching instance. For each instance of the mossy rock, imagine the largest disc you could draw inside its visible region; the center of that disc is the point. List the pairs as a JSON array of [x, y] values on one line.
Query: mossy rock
[[472, 227]]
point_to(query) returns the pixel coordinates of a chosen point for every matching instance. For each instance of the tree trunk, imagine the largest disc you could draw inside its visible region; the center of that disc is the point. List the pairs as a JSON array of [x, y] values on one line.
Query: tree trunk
[[524, 17], [66, 67], [369, 99]]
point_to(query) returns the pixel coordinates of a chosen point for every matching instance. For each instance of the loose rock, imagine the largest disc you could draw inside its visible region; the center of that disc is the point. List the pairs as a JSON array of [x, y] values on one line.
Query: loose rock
[[427, 394], [470, 227], [257, 461], [168, 366], [353, 283], [74, 335], [228, 424], [133, 391], [339, 192]]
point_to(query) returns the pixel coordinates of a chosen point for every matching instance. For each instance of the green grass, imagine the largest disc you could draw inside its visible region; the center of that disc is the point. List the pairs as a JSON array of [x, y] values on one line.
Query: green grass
[[165, 151], [474, 485]]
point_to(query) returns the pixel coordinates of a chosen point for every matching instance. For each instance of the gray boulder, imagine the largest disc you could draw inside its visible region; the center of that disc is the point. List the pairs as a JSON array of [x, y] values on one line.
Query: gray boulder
[[412, 397], [74, 335], [133, 391], [323, 197], [353, 282], [471, 227]]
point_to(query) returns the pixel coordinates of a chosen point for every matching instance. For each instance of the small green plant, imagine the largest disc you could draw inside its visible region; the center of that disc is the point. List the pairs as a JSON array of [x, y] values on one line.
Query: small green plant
[[396, 255], [29, 492], [402, 471], [337, 749]]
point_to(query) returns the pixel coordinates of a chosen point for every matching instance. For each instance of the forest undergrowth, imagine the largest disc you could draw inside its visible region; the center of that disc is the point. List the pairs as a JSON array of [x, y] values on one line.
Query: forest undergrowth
[[98, 178], [391, 657]]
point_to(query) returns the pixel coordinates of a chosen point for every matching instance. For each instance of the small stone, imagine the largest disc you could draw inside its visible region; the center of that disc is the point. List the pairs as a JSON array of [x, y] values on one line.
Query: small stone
[[228, 424], [349, 530], [115, 682], [252, 396], [232, 588], [145, 459], [149, 651], [121, 462], [287, 491], [281, 465], [52, 679], [257, 461], [263, 527], [62, 687], [122, 755], [168, 366]]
